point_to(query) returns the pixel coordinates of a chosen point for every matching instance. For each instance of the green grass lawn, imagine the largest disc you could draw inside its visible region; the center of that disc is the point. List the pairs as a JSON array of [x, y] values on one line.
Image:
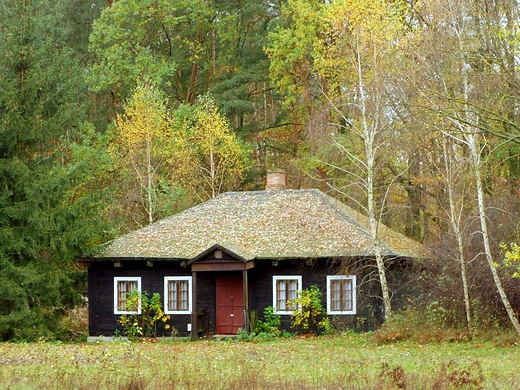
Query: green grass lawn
[[339, 362]]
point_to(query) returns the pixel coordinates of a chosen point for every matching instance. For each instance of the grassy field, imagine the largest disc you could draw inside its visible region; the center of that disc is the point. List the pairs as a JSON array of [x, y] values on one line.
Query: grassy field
[[339, 362]]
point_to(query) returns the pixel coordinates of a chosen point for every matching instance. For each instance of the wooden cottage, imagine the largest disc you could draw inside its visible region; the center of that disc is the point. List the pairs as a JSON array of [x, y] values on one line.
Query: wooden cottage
[[216, 263]]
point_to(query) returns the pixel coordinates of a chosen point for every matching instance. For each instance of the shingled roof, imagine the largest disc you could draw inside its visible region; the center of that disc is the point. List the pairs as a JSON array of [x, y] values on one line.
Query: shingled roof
[[285, 224]]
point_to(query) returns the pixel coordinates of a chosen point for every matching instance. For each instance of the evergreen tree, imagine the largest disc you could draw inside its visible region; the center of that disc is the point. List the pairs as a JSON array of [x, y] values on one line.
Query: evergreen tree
[[47, 206]]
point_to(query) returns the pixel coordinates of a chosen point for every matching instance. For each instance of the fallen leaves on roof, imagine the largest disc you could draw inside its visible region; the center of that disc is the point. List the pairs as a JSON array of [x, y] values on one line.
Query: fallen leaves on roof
[[262, 225]]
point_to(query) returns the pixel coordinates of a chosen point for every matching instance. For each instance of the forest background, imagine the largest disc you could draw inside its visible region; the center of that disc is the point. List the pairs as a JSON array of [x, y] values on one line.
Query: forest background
[[114, 114]]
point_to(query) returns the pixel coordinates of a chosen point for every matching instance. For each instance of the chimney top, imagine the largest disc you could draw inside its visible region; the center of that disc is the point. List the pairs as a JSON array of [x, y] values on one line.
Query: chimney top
[[276, 180]]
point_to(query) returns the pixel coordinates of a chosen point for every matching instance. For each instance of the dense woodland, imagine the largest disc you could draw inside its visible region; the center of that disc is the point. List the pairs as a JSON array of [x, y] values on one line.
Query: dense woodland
[[114, 114]]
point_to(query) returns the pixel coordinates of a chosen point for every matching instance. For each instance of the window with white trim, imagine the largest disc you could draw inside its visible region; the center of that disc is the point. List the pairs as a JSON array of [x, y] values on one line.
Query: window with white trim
[[341, 294], [177, 294], [285, 288], [123, 288]]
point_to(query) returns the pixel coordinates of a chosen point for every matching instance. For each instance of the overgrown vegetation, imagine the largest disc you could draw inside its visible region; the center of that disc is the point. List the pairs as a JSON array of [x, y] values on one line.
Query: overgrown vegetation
[[332, 362], [270, 323], [310, 316], [433, 323], [33, 299], [145, 323]]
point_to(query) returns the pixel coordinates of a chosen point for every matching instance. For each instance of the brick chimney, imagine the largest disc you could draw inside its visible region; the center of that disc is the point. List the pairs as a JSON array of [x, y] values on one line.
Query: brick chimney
[[276, 180]]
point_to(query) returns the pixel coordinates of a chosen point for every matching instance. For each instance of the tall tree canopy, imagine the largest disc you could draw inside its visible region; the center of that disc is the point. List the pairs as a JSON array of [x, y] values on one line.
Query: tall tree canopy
[[46, 206], [348, 48], [188, 49], [397, 76]]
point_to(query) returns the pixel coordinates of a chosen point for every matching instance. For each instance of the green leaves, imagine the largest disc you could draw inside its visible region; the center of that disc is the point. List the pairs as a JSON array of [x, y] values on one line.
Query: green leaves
[[290, 48], [162, 153], [157, 39], [33, 297], [221, 159], [49, 212], [141, 143], [144, 324], [511, 259], [310, 314]]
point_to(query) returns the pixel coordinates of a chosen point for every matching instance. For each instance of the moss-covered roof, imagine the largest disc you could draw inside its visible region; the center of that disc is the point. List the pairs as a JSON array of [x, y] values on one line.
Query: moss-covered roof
[[262, 225]]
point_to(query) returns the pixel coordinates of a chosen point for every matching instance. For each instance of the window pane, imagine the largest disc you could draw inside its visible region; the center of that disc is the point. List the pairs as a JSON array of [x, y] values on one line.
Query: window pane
[[293, 291], [124, 288], [172, 295], [183, 296], [335, 287], [286, 290], [281, 295], [341, 295], [178, 295], [347, 295], [121, 295]]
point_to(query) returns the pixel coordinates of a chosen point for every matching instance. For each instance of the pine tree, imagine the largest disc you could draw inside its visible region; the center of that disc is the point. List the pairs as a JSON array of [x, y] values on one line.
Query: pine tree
[[44, 175]]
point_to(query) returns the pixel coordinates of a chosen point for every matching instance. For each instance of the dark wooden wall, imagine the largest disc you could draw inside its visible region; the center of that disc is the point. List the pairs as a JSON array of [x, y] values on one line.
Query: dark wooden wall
[[102, 320]]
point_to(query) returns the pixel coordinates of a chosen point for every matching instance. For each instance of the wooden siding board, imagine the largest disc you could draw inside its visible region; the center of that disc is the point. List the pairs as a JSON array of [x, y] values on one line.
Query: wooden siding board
[[218, 266], [102, 320]]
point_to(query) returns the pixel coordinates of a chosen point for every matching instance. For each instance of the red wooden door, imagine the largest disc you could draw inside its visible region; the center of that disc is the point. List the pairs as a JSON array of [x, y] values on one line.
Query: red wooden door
[[230, 304]]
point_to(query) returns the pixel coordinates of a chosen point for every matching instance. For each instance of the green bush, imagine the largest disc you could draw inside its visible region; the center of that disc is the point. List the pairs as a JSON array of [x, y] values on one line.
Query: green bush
[[144, 324], [270, 324], [34, 298], [310, 315]]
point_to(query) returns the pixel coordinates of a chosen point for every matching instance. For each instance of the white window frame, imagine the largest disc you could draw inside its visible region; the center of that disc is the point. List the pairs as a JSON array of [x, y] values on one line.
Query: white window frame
[[167, 279], [330, 278], [276, 278], [116, 297]]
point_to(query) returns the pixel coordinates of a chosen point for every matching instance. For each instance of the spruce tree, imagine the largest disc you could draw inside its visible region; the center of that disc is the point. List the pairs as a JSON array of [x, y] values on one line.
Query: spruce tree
[[47, 211]]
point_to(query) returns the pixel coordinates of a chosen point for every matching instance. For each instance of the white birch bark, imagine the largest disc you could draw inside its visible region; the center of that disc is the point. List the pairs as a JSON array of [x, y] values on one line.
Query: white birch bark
[[370, 129], [455, 221], [473, 143], [149, 184], [472, 137]]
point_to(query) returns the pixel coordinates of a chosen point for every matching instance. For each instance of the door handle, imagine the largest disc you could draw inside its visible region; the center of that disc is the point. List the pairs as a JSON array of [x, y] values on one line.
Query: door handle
[[231, 315]]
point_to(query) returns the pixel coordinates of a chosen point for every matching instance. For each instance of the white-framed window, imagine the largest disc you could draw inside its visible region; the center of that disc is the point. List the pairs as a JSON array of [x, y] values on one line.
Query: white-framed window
[[177, 295], [285, 288], [123, 287], [341, 294]]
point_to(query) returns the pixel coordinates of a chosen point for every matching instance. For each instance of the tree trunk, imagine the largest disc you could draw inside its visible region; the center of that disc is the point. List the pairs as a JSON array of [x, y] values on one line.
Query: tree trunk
[[475, 156], [149, 183], [369, 137], [455, 225]]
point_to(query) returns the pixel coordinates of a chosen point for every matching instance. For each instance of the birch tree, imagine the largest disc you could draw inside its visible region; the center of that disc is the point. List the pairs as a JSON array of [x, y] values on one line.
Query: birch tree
[[218, 159], [453, 172], [352, 50], [456, 89], [141, 143], [475, 142]]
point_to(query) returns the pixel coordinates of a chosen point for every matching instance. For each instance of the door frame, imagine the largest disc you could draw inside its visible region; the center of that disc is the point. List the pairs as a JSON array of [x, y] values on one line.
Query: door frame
[[245, 297], [217, 259], [236, 285]]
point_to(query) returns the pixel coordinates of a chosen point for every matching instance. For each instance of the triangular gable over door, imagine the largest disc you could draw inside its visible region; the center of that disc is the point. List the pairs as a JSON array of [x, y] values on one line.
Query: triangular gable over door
[[219, 258]]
